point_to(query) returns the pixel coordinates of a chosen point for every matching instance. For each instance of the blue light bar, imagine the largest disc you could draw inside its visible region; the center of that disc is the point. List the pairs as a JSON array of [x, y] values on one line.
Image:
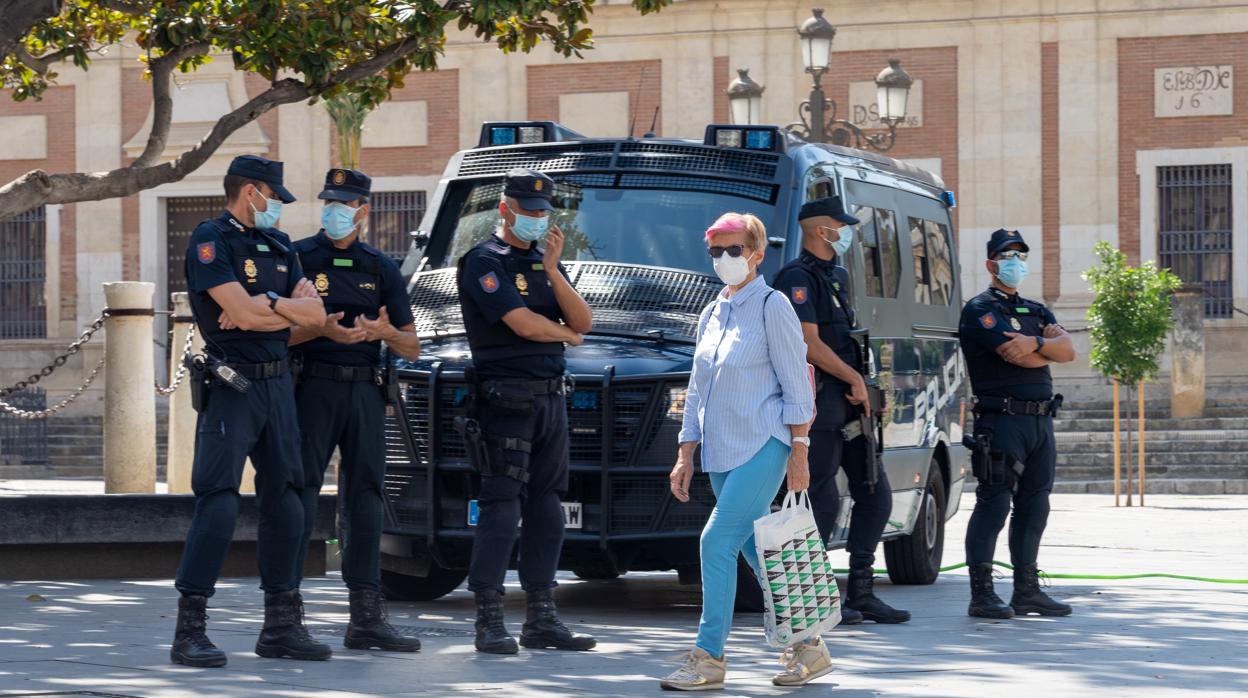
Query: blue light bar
[[759, 140], [950, 200], [766, 138], [502, 135]]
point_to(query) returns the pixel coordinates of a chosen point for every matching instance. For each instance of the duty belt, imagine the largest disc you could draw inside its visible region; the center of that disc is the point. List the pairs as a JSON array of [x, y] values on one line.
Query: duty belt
[[343, 374], [1009, 405], [271, 369], [538, 387]]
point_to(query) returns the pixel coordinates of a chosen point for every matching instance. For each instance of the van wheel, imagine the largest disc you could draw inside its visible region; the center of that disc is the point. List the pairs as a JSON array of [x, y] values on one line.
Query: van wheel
[[749, 593], [406, 587], [915, 559], [595, 573]]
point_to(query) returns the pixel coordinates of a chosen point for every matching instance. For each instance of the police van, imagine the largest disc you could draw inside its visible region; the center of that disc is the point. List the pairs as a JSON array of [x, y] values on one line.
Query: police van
[[633, 212]]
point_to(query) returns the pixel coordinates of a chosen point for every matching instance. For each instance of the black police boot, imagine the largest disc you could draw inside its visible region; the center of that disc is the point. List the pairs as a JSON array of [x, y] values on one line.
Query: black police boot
[[848, 615], [191, 645], [543, 629], [284, 634], [862, 598], [369, 628], [492, 635], [1028, 598], [984, 601]]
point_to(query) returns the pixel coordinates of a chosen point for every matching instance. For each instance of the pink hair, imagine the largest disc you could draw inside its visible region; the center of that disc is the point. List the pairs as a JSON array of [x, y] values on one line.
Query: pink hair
[[746, 223]]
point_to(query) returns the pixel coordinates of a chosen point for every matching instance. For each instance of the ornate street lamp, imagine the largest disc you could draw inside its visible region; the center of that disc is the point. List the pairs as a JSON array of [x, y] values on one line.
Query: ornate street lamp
[[745, 99], [819, 123]]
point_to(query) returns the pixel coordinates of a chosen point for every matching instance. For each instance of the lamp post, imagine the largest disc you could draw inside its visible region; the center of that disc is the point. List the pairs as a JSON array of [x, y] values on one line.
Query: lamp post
[[745, 99], [819, 122]]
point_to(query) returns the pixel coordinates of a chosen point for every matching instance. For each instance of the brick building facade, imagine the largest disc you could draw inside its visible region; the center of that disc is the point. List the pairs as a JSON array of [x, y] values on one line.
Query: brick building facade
[[1073, 121]]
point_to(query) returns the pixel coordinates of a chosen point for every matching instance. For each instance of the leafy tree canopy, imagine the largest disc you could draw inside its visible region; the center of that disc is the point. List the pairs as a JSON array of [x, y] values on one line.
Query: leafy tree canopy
[[1130, 316]]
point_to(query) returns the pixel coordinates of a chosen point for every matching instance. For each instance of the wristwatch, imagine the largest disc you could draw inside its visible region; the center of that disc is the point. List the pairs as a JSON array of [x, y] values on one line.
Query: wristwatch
[[804, 440], [273, 297], [1039, 342]]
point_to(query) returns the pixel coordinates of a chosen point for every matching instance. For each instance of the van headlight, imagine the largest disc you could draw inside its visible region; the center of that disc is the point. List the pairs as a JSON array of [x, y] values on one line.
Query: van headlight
[[676, 402]]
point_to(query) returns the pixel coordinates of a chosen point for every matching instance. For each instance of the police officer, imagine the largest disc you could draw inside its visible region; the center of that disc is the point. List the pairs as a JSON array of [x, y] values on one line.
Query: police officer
[[1009, 342], [819, 289], [340, 393], [519, 310], [246, 292]]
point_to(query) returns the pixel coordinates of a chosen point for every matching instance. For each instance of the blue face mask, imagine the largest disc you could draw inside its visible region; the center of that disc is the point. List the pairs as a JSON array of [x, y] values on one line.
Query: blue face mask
[[842, 244], [529, 228], [268, 217], [338, 220], [1011, 272]]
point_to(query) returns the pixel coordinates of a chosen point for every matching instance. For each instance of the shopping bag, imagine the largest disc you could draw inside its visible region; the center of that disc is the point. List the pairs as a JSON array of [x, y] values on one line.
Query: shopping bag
[[798, 584]]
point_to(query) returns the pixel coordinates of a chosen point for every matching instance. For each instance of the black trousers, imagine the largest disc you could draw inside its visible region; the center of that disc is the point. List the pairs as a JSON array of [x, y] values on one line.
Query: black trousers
[[504, 501], [350, 417], [1028, 440], [233, 426], [828, 453]]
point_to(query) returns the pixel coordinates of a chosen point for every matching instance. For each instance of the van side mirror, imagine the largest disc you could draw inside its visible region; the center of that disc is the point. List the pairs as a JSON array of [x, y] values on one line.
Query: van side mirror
[[419, 237], [776, 242]]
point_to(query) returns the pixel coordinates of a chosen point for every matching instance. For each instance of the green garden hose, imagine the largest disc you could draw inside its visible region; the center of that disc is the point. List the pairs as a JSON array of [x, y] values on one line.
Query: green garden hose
[[1055, 575]]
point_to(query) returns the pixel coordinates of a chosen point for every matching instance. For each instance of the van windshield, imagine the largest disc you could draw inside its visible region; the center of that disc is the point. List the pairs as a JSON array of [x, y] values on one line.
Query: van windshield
[[651, 227]]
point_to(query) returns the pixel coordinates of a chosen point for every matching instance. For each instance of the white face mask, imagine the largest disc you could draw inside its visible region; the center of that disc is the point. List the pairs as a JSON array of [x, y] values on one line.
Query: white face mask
[[732, 270]]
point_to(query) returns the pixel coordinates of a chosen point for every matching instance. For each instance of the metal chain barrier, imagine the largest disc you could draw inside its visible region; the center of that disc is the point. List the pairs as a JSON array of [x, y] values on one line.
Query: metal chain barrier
[[40, 414], [59, 361], [179, 374]]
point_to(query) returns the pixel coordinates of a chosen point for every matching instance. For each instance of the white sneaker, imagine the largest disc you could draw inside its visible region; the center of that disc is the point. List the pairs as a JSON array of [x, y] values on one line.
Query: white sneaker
[[803, 663], [700, 672]]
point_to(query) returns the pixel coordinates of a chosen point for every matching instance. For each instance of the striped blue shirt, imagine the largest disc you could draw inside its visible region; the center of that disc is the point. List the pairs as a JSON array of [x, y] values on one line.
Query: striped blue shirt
[[749, 379]]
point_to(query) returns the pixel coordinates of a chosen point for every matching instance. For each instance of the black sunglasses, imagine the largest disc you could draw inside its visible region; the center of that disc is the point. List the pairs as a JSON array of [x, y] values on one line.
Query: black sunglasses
[[718, 251]]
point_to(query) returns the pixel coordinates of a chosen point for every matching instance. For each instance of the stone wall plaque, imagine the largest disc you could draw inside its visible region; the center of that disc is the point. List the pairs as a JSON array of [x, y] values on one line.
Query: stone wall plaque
[[1198, 90], [864, 110]]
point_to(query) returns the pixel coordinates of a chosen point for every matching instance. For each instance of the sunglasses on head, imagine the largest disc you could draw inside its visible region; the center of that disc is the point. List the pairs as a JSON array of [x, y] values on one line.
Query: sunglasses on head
[[718, 251], [1013, 254]]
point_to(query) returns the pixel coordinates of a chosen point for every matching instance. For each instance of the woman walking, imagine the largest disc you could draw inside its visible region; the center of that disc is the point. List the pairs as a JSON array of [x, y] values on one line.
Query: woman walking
[[749, 405]]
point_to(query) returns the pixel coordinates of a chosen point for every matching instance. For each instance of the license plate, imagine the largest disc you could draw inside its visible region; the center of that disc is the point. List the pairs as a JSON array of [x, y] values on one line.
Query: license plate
[[571, 514]]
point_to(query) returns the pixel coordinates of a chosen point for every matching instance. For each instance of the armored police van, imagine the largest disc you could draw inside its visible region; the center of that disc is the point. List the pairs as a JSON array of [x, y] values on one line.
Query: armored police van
[[633, 212]]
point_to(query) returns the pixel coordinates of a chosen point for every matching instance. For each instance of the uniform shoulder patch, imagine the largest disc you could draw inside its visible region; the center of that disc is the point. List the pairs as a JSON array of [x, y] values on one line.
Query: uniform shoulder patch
[[489, 282], [207, 252], [799, 295], [988, 321]]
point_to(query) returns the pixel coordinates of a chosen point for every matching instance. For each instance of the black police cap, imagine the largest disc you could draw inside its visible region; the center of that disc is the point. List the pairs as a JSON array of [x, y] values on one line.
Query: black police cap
[[262, 170], [1002, 238], [346, 185], [531, 189], [827, 206]]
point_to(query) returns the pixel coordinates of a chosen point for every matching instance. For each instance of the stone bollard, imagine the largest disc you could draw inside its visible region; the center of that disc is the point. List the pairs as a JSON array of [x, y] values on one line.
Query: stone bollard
[[182, 417], [129, 395], [1187, 353]]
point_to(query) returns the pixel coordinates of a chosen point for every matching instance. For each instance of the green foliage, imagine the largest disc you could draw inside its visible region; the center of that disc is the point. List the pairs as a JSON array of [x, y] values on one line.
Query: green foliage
[[1130, 317], [313, 39], [348, 112]]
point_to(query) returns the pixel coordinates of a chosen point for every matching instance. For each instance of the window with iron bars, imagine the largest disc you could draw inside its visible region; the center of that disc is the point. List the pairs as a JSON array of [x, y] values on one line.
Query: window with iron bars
[[23, 273], [392, 215], [1194, 230]]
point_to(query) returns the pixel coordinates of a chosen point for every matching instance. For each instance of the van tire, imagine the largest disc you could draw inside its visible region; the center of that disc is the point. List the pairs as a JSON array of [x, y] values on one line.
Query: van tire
[[915, 559], [405, 587], [749, 593], [595, 573]]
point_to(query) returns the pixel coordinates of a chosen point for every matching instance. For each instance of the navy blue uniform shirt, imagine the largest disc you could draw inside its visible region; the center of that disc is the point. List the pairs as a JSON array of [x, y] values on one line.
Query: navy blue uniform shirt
[[985, 320], [819, 292], [355, 281], [223, 250], [495, 279]]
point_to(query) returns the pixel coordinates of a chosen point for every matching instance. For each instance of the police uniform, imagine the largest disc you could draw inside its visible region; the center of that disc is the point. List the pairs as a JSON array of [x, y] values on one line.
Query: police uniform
[[522, 412], [341, 403], [233, 425], [819, 291], [1014, 455]]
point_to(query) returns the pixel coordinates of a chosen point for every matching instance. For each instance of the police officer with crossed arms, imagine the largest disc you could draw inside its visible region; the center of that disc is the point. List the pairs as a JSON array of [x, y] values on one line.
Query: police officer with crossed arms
[[1009, 342], [519, 311], [340, 393], [818, 286], [246, 291]]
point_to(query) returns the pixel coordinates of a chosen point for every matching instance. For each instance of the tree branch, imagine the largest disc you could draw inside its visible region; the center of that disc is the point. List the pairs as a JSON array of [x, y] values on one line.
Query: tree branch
[[41, 64], [18, 16], [162, 101], [37, 187]]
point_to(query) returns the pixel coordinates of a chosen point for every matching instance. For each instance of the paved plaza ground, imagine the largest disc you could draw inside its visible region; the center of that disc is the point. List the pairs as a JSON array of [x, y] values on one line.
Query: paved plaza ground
[[1148, 637]]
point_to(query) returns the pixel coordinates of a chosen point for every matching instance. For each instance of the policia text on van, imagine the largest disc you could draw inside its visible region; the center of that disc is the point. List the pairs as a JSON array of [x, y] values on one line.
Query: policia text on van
[[631, 211]]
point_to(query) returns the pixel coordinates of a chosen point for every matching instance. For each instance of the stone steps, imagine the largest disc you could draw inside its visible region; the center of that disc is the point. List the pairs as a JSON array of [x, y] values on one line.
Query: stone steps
[[1152, 471], [1155, 424], [1157, 486], [1180, 444], [1169, 458]]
